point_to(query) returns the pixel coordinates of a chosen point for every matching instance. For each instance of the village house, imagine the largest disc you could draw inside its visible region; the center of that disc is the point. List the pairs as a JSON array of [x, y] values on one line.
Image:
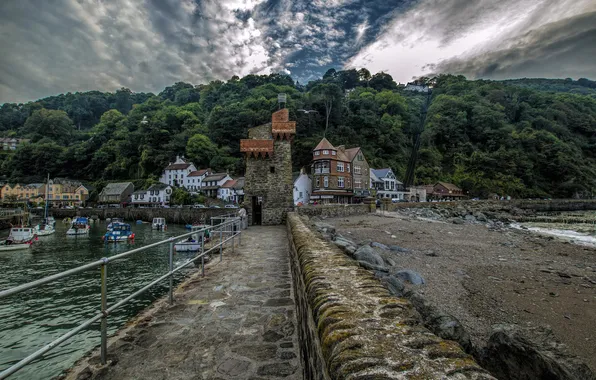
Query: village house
[[176, 173], [444, 191], [386, 184], [210, 185], [331, 170], [17, 192], [239, 190], [302, 188], [360, 174], [11, 143], [116, 193], [417, 194], [156, 195], [194, 180]]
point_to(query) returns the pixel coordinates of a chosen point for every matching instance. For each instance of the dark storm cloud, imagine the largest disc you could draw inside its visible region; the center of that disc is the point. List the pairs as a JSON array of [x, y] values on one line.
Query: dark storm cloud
[[566, 48]]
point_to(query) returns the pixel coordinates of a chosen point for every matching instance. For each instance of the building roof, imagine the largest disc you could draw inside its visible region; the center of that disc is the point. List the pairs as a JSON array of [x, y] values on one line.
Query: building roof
[[373, 176], [239, 185], [352, 152], [179, 164], [324, 144], [449, 186], [158, 187], [341, 155], [381, 173], [115, 188], [198, 173], [215, 177], [229, 183], [140, 192]]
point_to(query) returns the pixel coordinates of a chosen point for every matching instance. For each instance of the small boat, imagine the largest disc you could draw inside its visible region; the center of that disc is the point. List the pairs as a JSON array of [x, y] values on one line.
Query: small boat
[[67, 221], [80, 226], [119, 232], [19, 238], [50, 221], [191, 226], [44, 229], [159, 224], [139, 221], [113, 221], [195, 241]]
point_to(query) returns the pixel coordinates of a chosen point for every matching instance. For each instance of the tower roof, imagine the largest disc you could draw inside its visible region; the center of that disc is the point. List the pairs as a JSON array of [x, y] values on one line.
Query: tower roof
[[324, 144]]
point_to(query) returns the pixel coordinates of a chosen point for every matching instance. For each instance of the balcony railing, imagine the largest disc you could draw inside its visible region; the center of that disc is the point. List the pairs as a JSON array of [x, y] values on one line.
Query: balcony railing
[[322, 171]]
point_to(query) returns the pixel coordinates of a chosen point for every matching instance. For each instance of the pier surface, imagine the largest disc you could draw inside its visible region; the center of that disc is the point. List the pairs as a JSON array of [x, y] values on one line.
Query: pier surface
[[238, 322]]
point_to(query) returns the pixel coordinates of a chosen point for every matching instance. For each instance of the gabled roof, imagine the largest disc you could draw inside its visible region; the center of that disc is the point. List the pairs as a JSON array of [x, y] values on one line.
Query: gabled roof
[[229, 184], [373, 176], [140, 192], [158, 187], [352, 152], [198, 173], [381, 173], [215, 177], [341, 155], [115, 188], [177, 166], [239, 185], [449, 186], [324, 144]]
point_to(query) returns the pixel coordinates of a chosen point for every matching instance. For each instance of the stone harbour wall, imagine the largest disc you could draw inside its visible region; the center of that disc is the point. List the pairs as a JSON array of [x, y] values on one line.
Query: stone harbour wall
[[350, 327], [172, 215], [331, 211]]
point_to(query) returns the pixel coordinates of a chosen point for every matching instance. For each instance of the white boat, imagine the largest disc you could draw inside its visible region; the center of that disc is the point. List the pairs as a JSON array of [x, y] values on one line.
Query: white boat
[[194, 242], [51, 221], [19, 238], [80, 226], [159, 224], [44, 229]]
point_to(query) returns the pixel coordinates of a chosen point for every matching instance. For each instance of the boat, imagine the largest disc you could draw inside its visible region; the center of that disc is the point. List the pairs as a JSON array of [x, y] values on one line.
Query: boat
[[48, 226], [139, 221], [191, 226], [159, 224], [113, 221], [66, 221], [44, 229], [80, 226], [18, 238], [119, 232], [195, 241]]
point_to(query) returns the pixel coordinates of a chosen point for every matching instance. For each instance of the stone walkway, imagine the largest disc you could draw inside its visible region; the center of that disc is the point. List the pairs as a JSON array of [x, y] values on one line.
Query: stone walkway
[[238, 322]]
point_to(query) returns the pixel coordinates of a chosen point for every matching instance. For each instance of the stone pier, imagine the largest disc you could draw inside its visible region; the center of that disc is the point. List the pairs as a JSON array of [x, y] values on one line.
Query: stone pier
[[238, 322]]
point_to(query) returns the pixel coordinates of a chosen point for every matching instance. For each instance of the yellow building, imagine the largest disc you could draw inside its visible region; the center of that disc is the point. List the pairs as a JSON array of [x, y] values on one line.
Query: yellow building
[[18, 192], [65, 193]]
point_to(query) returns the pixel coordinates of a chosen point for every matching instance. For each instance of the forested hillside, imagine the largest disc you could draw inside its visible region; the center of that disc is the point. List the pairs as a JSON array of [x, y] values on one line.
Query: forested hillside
[[525, 139]]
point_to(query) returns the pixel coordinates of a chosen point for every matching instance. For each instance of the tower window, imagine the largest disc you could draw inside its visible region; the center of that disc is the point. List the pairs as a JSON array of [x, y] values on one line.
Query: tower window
[[272, 169]]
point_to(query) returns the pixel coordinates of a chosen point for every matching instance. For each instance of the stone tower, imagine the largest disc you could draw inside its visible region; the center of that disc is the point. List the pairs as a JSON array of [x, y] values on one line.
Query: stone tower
[[268, 179]]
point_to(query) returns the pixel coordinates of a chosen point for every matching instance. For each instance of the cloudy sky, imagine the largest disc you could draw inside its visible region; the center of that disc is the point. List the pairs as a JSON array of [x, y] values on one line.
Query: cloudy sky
[[54, 46]]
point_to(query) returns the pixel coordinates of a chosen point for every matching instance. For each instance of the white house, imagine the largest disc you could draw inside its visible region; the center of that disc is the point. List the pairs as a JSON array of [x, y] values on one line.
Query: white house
[[232, 191], [302, 189], [212, 183], [175, 174], [156, 195], [194, 180], [386, 184]]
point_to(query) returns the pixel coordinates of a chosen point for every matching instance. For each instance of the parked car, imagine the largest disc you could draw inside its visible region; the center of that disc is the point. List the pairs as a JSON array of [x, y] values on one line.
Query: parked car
[[198, 205], [214, 206], [231, 206]]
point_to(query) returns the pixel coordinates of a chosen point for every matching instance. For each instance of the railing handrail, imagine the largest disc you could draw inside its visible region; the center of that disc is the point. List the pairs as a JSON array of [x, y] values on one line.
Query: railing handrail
[[105, 311]]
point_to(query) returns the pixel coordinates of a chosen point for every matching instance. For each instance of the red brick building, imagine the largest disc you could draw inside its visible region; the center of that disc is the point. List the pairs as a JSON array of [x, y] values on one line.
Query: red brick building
[[332, 174]]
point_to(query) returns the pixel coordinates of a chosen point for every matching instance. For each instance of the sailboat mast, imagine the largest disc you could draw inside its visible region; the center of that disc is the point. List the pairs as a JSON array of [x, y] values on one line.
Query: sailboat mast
[[47, 195]]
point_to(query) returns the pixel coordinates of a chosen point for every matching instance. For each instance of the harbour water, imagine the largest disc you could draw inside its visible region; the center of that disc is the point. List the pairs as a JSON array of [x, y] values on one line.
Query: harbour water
[[576, 233], [30, 320]]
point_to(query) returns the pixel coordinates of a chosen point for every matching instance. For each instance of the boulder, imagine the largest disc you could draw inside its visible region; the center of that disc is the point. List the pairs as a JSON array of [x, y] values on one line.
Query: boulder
[[368, 254], [379, 245], [395, 248], [470, 218], [324, 228], [481, 217], [410, 276], [394, 285], [440, 323], [457, 220], [376, 268], [346, 245], [511, 355]]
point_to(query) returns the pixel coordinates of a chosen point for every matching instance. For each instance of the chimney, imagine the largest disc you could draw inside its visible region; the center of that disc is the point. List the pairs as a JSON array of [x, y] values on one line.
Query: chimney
[[342, 148]]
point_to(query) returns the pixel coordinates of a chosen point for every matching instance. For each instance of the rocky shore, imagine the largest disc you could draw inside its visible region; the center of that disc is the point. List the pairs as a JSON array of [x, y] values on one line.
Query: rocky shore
[[519, 302]]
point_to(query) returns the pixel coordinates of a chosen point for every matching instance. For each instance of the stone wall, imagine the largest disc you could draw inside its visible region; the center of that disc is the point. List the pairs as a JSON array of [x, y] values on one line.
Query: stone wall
[[271, 179], [172, 215], [350, 327], [538, 206], [332, 211]]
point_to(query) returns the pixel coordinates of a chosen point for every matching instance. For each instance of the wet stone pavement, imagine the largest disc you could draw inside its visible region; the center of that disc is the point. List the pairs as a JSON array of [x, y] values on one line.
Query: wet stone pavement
[[238, 322]]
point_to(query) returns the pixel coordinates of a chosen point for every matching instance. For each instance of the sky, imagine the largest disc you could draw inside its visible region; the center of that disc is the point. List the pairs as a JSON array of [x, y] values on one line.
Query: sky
[[56, 46]]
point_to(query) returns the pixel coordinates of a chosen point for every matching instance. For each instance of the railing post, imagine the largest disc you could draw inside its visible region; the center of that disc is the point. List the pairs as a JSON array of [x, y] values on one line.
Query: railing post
[[233, 227], [104, 307], [220, 243], [171, 273]]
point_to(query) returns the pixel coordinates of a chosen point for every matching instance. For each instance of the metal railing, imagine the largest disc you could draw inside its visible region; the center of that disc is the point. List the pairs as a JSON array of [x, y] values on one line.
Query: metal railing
[[220, 234]]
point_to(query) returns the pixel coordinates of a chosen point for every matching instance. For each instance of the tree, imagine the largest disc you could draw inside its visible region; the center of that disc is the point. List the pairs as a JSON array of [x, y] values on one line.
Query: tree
[[52, 124], [201, 150], [330, 94]]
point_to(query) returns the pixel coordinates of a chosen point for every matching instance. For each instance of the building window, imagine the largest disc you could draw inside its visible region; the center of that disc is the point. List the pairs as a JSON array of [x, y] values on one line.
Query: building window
[[326, 152], [340, 166], [356, 169], [326, 182], [340, 181], [318, 182], [333, 153], [272, 169], [349, 183], [317, 153], [300, 194], [357, 183], [360, 157]]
